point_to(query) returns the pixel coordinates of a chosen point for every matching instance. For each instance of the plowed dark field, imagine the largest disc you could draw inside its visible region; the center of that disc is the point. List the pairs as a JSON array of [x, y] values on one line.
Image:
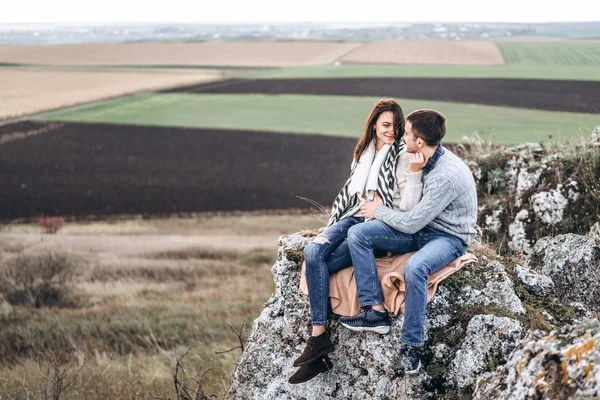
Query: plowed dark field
[[573, 96], [82, 169]]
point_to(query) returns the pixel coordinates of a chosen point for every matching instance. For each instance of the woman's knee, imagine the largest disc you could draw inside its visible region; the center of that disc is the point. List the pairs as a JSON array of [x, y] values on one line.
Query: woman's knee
[[312, 253]]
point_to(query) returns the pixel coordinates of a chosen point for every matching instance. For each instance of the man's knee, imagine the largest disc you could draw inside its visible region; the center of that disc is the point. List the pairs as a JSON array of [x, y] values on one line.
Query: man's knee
[[355, 234], [414, 271]]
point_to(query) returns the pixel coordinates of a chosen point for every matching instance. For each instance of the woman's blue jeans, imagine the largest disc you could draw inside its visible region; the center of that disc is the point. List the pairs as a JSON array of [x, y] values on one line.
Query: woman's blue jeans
[[327, 254]]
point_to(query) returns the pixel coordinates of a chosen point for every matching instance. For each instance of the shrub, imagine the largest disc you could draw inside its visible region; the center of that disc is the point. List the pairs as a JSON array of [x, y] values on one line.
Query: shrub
[[40, 276], [51, 224], [496, 181]]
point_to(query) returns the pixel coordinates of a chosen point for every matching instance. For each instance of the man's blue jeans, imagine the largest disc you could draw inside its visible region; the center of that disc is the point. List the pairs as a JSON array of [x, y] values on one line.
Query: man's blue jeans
[[434, 250], [327, 254]]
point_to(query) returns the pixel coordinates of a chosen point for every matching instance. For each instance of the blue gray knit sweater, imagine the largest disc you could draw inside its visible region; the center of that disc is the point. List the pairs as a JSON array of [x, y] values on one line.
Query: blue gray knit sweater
[[449, 201]]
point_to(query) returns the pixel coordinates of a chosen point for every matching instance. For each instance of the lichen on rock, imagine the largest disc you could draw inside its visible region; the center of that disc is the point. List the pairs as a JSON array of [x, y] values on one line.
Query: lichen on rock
[[488, 342], [564, 364], [573, 264], [538, 284], [549, 206]]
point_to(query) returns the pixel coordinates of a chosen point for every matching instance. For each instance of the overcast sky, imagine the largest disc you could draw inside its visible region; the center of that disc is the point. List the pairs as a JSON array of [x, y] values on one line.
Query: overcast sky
[[28, 11]]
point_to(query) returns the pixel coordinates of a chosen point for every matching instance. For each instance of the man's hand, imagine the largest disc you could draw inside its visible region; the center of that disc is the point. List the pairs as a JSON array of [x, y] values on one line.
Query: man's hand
[[417, 162], [368, 209]]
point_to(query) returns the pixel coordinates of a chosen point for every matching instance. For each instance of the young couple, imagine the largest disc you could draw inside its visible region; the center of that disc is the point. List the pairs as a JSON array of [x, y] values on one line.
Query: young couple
[[406, 193]]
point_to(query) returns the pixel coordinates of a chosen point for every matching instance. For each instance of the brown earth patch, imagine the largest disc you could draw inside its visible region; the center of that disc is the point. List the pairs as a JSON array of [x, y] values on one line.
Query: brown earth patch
[[432, 52], [231, 54], [29, 91], [573, 96], [104, 169]]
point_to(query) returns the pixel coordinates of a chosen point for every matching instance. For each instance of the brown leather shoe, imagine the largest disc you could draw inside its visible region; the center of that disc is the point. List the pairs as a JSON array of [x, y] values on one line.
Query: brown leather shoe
[[316, 347], [308, 371]]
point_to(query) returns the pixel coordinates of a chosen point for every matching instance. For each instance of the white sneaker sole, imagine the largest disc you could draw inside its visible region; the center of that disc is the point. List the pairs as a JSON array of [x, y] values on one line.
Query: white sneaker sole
[[411, 372], [382, 330], [414, 371]]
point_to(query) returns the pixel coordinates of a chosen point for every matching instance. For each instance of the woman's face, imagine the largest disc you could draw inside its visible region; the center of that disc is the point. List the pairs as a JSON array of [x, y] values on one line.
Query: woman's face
[[384, 129]]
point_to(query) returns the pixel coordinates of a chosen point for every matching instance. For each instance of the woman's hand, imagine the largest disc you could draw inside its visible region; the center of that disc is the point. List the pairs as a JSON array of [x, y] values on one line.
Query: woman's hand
[[321, 229], [417, 162]]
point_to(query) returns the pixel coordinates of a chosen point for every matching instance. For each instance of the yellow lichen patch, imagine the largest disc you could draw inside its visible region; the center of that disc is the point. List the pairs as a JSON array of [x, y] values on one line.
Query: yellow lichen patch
[[581, 351], [520, 365], [565, 372], [539, 380], [588, 370], [576, 353]]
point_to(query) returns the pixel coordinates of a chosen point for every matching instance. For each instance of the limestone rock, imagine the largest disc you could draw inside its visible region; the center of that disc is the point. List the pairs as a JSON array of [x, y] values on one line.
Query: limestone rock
[[488, 342], [539, 191], [562, 365], [573, 263], [538, 284], [516, 232], [362, 361], [549, 206], [499, 290]]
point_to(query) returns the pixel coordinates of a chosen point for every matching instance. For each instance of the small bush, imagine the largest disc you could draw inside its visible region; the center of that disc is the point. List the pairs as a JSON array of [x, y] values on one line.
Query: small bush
[[51, 224], [496, 181], [40, 277]]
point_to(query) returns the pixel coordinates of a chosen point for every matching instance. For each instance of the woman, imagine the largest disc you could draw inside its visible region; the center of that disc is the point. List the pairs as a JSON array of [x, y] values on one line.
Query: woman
[[380, 165]]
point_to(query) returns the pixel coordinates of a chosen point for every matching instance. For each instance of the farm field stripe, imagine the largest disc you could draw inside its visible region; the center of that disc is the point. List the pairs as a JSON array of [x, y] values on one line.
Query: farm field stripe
[[101, 169], [573, 96], [551, 53], [325, 115], [568, 72], [427, 52]]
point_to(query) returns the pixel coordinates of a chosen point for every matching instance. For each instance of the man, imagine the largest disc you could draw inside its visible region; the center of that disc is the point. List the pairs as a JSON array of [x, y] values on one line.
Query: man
[[438, 229]]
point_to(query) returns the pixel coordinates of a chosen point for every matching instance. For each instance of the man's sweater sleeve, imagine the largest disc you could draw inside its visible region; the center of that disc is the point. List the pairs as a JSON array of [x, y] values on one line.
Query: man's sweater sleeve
[[436, 197]]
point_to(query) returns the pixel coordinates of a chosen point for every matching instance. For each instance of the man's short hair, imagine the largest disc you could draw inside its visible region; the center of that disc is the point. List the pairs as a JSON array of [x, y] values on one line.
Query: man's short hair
[[429, 125]]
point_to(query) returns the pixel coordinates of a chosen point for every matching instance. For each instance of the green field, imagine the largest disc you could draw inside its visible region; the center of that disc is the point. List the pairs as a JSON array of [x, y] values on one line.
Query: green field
[[325, 115], [551, 53], [567, 72]]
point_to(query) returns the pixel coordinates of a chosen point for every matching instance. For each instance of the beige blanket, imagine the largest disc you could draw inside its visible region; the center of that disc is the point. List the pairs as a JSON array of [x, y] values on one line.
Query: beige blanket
[[342, 286]]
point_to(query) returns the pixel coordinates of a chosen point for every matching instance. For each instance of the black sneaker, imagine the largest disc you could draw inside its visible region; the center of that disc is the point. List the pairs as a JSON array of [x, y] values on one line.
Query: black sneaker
[[316, 348], [368, 320], [410, 360], [308, 371]]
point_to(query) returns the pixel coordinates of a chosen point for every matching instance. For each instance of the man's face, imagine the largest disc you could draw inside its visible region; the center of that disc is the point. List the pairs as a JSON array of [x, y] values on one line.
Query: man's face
[[413, 144]]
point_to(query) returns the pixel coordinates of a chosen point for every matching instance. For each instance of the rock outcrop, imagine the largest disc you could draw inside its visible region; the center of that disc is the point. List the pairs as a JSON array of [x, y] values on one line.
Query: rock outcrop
[[532, 190], [460, 315], [572, 262], [473, 334], [564, 364]]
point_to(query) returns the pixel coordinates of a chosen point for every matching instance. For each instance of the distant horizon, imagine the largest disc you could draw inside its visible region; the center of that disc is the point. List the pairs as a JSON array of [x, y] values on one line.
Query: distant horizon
[[365, 23]]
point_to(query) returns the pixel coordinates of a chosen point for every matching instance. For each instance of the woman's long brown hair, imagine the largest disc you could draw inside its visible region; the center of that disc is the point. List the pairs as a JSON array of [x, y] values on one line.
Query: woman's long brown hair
[[369, 134]]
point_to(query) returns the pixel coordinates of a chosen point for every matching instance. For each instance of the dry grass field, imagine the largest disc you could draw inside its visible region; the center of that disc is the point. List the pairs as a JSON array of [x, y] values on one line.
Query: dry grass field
[[144, 293], [30, 91], [431, 52], [232, 54]]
